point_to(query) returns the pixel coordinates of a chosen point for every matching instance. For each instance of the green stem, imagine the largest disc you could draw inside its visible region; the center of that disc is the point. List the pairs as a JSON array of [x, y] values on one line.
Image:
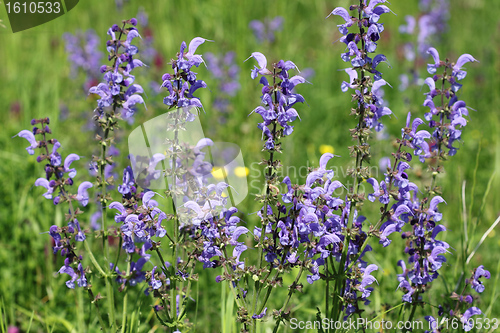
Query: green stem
[[224, 251], [99, 316], [384, 210], [268, 293], [164, 268], [111, 302], [182, 309], [92, 258], [290, 293], [125, 297]]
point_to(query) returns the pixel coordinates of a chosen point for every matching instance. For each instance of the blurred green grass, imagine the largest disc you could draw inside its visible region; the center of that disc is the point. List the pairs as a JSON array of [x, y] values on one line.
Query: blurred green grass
[[36, 80]]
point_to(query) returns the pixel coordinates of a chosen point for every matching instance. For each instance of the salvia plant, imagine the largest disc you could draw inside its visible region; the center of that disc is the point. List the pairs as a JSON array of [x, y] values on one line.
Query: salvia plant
[[82, 49], [425, 29], [264, 31], [173, 221]]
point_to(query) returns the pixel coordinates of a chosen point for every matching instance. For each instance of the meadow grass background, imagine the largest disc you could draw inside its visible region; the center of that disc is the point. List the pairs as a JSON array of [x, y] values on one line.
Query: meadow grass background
[[36, 81]]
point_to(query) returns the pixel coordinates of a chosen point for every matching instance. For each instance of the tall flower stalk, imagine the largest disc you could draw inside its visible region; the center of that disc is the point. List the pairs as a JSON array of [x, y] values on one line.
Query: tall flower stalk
[[118, 96], [58, 178], [277, 113], [366, 81]]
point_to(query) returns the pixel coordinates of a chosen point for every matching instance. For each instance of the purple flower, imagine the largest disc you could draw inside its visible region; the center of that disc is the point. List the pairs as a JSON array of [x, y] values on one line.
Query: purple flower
[[478, 273], [155, 284], [67, 269], [83, 195], [226, 73], [457, 68], [262, 62], [278, 104], [261, 315], [435, 258], [119, 89], [31, 139], [433, 324], [45, 183], [182, 83], [67, 164], [343, 13], [82, 280], [467, 322], [366, 280], [387, 231], [83, 54], [264, 30]]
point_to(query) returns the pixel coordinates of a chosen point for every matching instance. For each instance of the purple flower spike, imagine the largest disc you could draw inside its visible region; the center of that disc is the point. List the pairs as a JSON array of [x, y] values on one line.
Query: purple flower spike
[[264, 30], [119, 82]]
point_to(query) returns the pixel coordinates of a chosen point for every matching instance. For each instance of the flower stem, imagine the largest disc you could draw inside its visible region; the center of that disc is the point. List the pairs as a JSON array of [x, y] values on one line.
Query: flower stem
[[290, 293], [99, 316], [125, 297]]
